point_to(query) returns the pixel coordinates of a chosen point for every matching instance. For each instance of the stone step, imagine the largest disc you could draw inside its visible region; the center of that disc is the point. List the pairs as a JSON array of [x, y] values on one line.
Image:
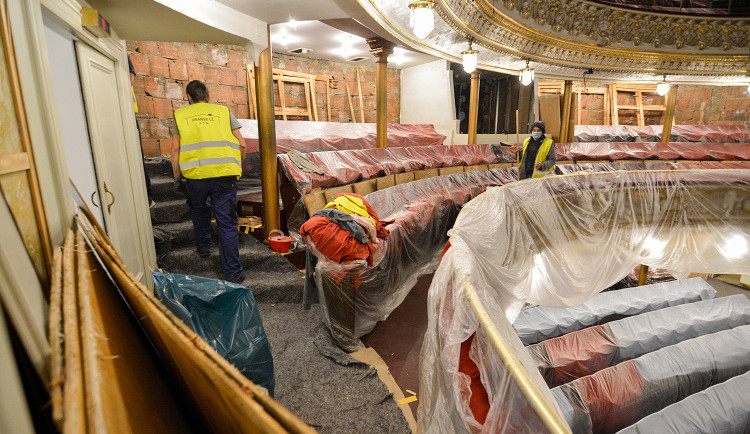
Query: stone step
[[179, 234], [158, 166], [162, 189], [170, 211]]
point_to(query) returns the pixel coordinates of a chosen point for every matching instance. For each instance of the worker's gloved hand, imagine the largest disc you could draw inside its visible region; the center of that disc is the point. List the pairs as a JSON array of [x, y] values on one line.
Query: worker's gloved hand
[[179, 185]]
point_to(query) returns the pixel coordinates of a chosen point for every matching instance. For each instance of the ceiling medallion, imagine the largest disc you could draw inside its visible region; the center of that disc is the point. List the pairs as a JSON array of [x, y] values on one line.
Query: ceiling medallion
[[497, 31]]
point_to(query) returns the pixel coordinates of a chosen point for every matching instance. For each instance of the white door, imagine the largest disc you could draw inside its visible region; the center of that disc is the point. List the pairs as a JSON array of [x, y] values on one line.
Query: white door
[[107, 134]]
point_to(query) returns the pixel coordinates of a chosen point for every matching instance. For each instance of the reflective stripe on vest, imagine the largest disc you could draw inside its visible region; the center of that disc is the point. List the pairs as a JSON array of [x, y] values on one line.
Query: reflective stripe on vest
[[208, 148], [541, 157]]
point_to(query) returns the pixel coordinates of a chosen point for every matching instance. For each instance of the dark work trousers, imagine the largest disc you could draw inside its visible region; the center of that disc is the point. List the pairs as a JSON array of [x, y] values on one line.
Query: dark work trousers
[[223, 194]]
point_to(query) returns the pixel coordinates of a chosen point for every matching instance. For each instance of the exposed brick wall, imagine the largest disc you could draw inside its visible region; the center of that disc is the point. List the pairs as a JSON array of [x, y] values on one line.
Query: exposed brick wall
[[696, 105], [163, 69], [712, 105], [340, 74]]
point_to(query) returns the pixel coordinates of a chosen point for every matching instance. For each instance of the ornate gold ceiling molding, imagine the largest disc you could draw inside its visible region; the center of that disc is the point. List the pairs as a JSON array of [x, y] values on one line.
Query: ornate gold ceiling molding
[[608, 24], [499, 32]]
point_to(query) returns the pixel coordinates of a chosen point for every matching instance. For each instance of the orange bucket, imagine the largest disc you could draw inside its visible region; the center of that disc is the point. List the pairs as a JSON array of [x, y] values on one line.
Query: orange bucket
[[280, 243]]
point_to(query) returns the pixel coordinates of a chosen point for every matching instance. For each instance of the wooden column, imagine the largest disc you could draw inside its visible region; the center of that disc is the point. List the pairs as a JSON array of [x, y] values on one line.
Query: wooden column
[[474, 107], [381, 49], [666, 131], [267, 139], [643, 275], [567, 105]]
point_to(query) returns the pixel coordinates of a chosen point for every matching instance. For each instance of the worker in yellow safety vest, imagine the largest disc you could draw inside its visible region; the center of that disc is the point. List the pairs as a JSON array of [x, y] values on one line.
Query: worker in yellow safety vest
[[537, 154], [207, 152]]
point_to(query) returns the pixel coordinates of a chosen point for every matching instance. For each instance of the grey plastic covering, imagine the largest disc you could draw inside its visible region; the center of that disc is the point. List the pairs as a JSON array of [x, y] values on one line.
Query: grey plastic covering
[[539, 323], [615, 398], [586, 351], [723, 408], [651, 331]]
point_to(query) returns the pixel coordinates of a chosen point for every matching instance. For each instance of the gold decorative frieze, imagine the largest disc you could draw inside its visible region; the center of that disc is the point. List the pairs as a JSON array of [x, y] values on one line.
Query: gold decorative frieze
[[502, 33]]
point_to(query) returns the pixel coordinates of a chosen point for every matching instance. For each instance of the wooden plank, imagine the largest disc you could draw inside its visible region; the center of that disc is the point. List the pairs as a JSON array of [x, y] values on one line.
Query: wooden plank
[[629, 107], [403, 178], [282, 97], [578, 108], [308, 101], [10, 163], [328, 98], [549, 113], [291, 111], [361, 99], [475, 167], [450, 170], [424, 174], [56, 339], [314, 202], [226, 400], [331, 193], [287, 73], [607, 108], [351, 107], [615, 114], [364, 188], [385, 182], [74, 403], [654, 108], [639, 104], [291, 79], [252, 113], [313, 100]]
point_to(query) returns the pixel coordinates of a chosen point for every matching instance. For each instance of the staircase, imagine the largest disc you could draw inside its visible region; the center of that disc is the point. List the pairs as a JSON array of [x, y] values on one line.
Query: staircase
[[271, 277]]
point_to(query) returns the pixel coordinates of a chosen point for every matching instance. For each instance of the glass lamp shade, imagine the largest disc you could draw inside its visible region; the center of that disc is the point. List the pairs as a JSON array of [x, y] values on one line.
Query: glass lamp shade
[[662, 88], [470, 60], [423, 20], [527, 76]]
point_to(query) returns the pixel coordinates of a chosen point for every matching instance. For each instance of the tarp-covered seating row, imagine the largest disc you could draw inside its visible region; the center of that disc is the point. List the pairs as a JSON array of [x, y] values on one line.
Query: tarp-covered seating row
[[557, 242], [653, 133]]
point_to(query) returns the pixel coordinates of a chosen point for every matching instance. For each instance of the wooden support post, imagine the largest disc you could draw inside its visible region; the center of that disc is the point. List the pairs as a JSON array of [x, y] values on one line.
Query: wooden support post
[[474, 107], [643, 275], [251, 106], [666, 131], [267, 139], [566, 110], [381, 49]]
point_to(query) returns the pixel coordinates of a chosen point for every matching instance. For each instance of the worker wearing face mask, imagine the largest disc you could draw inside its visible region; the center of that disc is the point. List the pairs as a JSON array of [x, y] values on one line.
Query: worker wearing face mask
[[537, 155]]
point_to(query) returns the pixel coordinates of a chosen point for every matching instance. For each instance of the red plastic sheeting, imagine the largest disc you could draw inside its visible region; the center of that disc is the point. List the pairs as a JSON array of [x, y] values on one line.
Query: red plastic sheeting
[[575, 355], [655, 151], [344, 167], [612, 408], [607, 133], [699, 133], [307, 136]]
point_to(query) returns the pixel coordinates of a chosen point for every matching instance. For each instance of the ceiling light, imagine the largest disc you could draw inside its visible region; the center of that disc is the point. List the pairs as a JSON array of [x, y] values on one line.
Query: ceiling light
[[663, 87], [399, 56], [527, 75], [470, 58], [422, 18], [292, 22], [748, 88]]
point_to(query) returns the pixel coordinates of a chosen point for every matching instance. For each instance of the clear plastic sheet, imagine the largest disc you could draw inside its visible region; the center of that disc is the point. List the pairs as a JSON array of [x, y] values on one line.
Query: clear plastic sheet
[[651, 151], [540, 323], [587, 351], [619, 396], [345, 167], [698, 133], [310, 136], [225, 315], [354, 296], [723, 408], [556, 242], [607, 133]]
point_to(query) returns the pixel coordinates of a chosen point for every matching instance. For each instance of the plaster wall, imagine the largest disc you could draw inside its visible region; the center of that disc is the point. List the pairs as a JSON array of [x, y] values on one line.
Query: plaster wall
[[427, 97]]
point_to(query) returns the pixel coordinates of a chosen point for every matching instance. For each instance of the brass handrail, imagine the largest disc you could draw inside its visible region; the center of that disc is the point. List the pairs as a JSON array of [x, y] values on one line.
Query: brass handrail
[[544, 409]]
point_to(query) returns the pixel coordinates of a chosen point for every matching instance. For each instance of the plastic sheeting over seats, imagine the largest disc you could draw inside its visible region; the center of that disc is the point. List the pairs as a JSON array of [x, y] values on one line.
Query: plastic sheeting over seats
[[556, 242]]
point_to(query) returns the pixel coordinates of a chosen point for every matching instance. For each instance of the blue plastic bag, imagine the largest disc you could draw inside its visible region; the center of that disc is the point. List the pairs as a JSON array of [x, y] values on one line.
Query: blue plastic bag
[[225, 315]]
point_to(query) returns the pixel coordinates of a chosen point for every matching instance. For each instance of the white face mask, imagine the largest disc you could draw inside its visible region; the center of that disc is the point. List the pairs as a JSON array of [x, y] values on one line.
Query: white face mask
[[536, 135]]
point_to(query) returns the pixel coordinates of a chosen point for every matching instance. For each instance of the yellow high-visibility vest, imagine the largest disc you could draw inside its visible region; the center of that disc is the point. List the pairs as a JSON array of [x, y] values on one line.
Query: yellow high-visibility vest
[[135, 102], [541, 157], [208, 148]]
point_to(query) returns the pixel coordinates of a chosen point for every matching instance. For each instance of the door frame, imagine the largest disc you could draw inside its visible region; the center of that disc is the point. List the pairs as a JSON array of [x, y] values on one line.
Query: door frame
[[35, 74]]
